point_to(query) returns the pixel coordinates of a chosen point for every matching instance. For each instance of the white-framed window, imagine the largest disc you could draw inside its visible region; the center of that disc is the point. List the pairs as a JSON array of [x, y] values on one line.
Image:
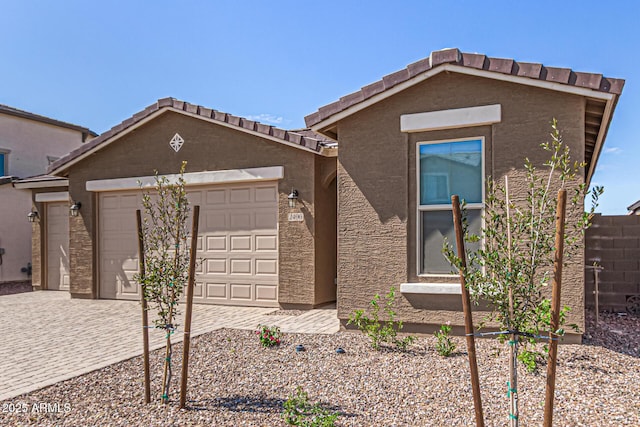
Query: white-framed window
[[4, 162], [444, 168]]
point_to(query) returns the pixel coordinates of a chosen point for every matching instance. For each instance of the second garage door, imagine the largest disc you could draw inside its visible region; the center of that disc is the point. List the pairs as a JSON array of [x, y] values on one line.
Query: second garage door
[[237, 244]]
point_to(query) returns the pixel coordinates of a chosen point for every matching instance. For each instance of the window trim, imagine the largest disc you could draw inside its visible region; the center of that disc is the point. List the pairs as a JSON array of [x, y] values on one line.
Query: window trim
[[442, 207], [6, 153]]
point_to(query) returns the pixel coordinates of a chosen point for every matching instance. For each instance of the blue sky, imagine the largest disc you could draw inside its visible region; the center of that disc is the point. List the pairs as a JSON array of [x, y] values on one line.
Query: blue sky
[[97, 63]]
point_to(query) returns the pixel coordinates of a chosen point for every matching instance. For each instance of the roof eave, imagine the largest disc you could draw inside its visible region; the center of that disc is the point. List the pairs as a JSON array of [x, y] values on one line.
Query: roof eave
[[325, 125], [61, 166]]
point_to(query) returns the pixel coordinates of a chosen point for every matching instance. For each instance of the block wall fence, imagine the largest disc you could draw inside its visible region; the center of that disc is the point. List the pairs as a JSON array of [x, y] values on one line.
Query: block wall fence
[[613, 242]]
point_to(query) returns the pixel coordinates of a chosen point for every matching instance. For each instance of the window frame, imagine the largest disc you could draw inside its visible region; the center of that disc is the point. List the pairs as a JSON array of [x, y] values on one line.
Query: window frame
[[5, 164], [443, 207]]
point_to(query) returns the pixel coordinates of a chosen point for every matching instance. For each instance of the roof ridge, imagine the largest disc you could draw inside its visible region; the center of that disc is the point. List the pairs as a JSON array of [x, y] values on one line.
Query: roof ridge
[[454, 56]]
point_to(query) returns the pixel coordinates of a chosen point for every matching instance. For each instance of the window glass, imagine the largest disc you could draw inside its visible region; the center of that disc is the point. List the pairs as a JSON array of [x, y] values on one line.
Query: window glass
[[3, 160], [451, 168], [436, 225], [447, 168]]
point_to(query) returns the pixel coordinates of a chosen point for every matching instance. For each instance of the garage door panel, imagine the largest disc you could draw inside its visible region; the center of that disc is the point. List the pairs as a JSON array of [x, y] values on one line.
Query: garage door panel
[[217, 243], [266, 194], [197, 289], [240, 266], [266, 293], [216, 197], [216, 266], [195, 198], [240, 220], [130, 201], [266, 242], [237, 244], [240, 243], [266, 219], [266, 266], [240, 291], [217, 290], [216, 220], [240, 195], [109, 202]]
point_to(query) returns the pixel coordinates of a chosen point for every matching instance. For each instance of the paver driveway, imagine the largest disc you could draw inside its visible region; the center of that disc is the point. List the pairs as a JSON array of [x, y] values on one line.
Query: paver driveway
[[49, 337]]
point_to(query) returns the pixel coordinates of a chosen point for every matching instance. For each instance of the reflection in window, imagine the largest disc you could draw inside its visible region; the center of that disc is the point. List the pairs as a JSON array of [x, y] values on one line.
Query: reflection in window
[[447, 168]]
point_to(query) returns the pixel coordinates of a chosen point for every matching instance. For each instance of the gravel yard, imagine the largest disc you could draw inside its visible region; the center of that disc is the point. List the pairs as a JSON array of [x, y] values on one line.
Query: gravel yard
[[235, 382]]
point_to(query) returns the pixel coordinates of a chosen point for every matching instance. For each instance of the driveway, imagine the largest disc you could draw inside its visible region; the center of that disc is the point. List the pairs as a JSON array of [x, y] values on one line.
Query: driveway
[[49, 337]]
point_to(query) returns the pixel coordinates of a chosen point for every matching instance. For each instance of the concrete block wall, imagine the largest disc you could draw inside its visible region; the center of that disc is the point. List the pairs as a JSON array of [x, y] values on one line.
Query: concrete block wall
[[613, 242]]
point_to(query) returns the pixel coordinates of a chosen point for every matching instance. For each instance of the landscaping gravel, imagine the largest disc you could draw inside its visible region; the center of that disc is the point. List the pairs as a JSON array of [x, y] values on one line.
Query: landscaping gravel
[[233, 381]]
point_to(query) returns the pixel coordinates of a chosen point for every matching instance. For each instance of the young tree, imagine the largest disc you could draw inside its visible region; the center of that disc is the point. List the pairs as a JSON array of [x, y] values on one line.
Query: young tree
[[514, 262], [166, 257]]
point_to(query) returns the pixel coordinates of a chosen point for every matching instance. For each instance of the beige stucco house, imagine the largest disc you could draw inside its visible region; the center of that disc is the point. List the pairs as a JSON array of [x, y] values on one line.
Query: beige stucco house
[[28, 144], [438, 127], [255, 249]]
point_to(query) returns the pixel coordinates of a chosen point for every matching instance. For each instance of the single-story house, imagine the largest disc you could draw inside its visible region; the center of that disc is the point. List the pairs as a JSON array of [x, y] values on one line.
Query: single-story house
[[480, 115], [373, 173], [255, 250]]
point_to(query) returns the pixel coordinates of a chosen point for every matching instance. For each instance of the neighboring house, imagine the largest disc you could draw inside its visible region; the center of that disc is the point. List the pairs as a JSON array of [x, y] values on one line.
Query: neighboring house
[[441, 126], [372, 213], [29, 143], [255, 249], [634, 209]]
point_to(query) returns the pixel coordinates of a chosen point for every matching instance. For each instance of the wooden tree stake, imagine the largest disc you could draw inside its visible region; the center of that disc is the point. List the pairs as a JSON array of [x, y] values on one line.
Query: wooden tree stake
[[187, 318], [555, 309], [145, 319], [468, 319]]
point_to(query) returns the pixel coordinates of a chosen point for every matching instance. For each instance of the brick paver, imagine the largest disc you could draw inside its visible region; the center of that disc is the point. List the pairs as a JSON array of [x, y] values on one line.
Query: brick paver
[[49, 337]]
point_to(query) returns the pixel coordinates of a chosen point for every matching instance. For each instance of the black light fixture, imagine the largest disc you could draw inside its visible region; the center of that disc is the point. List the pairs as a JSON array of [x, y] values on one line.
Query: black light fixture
[[33, 216], [293, 197], [75, 209]]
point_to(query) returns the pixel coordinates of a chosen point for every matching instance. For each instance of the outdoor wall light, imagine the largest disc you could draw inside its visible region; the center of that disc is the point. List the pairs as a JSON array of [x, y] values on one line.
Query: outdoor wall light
[[75, 209], [33, 216], [293, 197]]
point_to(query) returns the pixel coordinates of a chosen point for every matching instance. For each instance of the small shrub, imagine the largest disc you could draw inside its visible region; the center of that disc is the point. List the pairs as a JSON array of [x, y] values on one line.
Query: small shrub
[[269, 335], [445, 345], [381, 331], [297, 411]]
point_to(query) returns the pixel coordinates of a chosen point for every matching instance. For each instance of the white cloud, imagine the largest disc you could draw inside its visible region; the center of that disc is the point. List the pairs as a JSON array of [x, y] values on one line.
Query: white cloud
[[612, 150], [267, 118]]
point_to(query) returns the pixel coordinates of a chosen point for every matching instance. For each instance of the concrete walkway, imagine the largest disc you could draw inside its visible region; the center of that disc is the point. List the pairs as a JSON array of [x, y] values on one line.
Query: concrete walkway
[[49, 337]]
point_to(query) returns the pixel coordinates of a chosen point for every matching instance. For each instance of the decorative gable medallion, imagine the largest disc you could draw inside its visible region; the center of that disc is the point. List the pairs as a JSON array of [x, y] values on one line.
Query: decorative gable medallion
[[176, 142]]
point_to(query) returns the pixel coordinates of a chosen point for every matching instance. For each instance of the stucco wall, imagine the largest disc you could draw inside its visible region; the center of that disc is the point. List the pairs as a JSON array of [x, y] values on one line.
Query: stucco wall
[[29, 143], [207, 146], [377, 184], [15, 232]]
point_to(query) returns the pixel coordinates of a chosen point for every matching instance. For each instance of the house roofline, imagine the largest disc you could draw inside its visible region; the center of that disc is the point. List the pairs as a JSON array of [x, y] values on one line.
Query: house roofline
[[340, 113], [86, 132], [290, 138]]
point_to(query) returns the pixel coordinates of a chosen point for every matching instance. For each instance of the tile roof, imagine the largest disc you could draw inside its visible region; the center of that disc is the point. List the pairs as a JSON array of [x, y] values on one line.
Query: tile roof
[[304, 138], [477, 61], [5, 109]]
